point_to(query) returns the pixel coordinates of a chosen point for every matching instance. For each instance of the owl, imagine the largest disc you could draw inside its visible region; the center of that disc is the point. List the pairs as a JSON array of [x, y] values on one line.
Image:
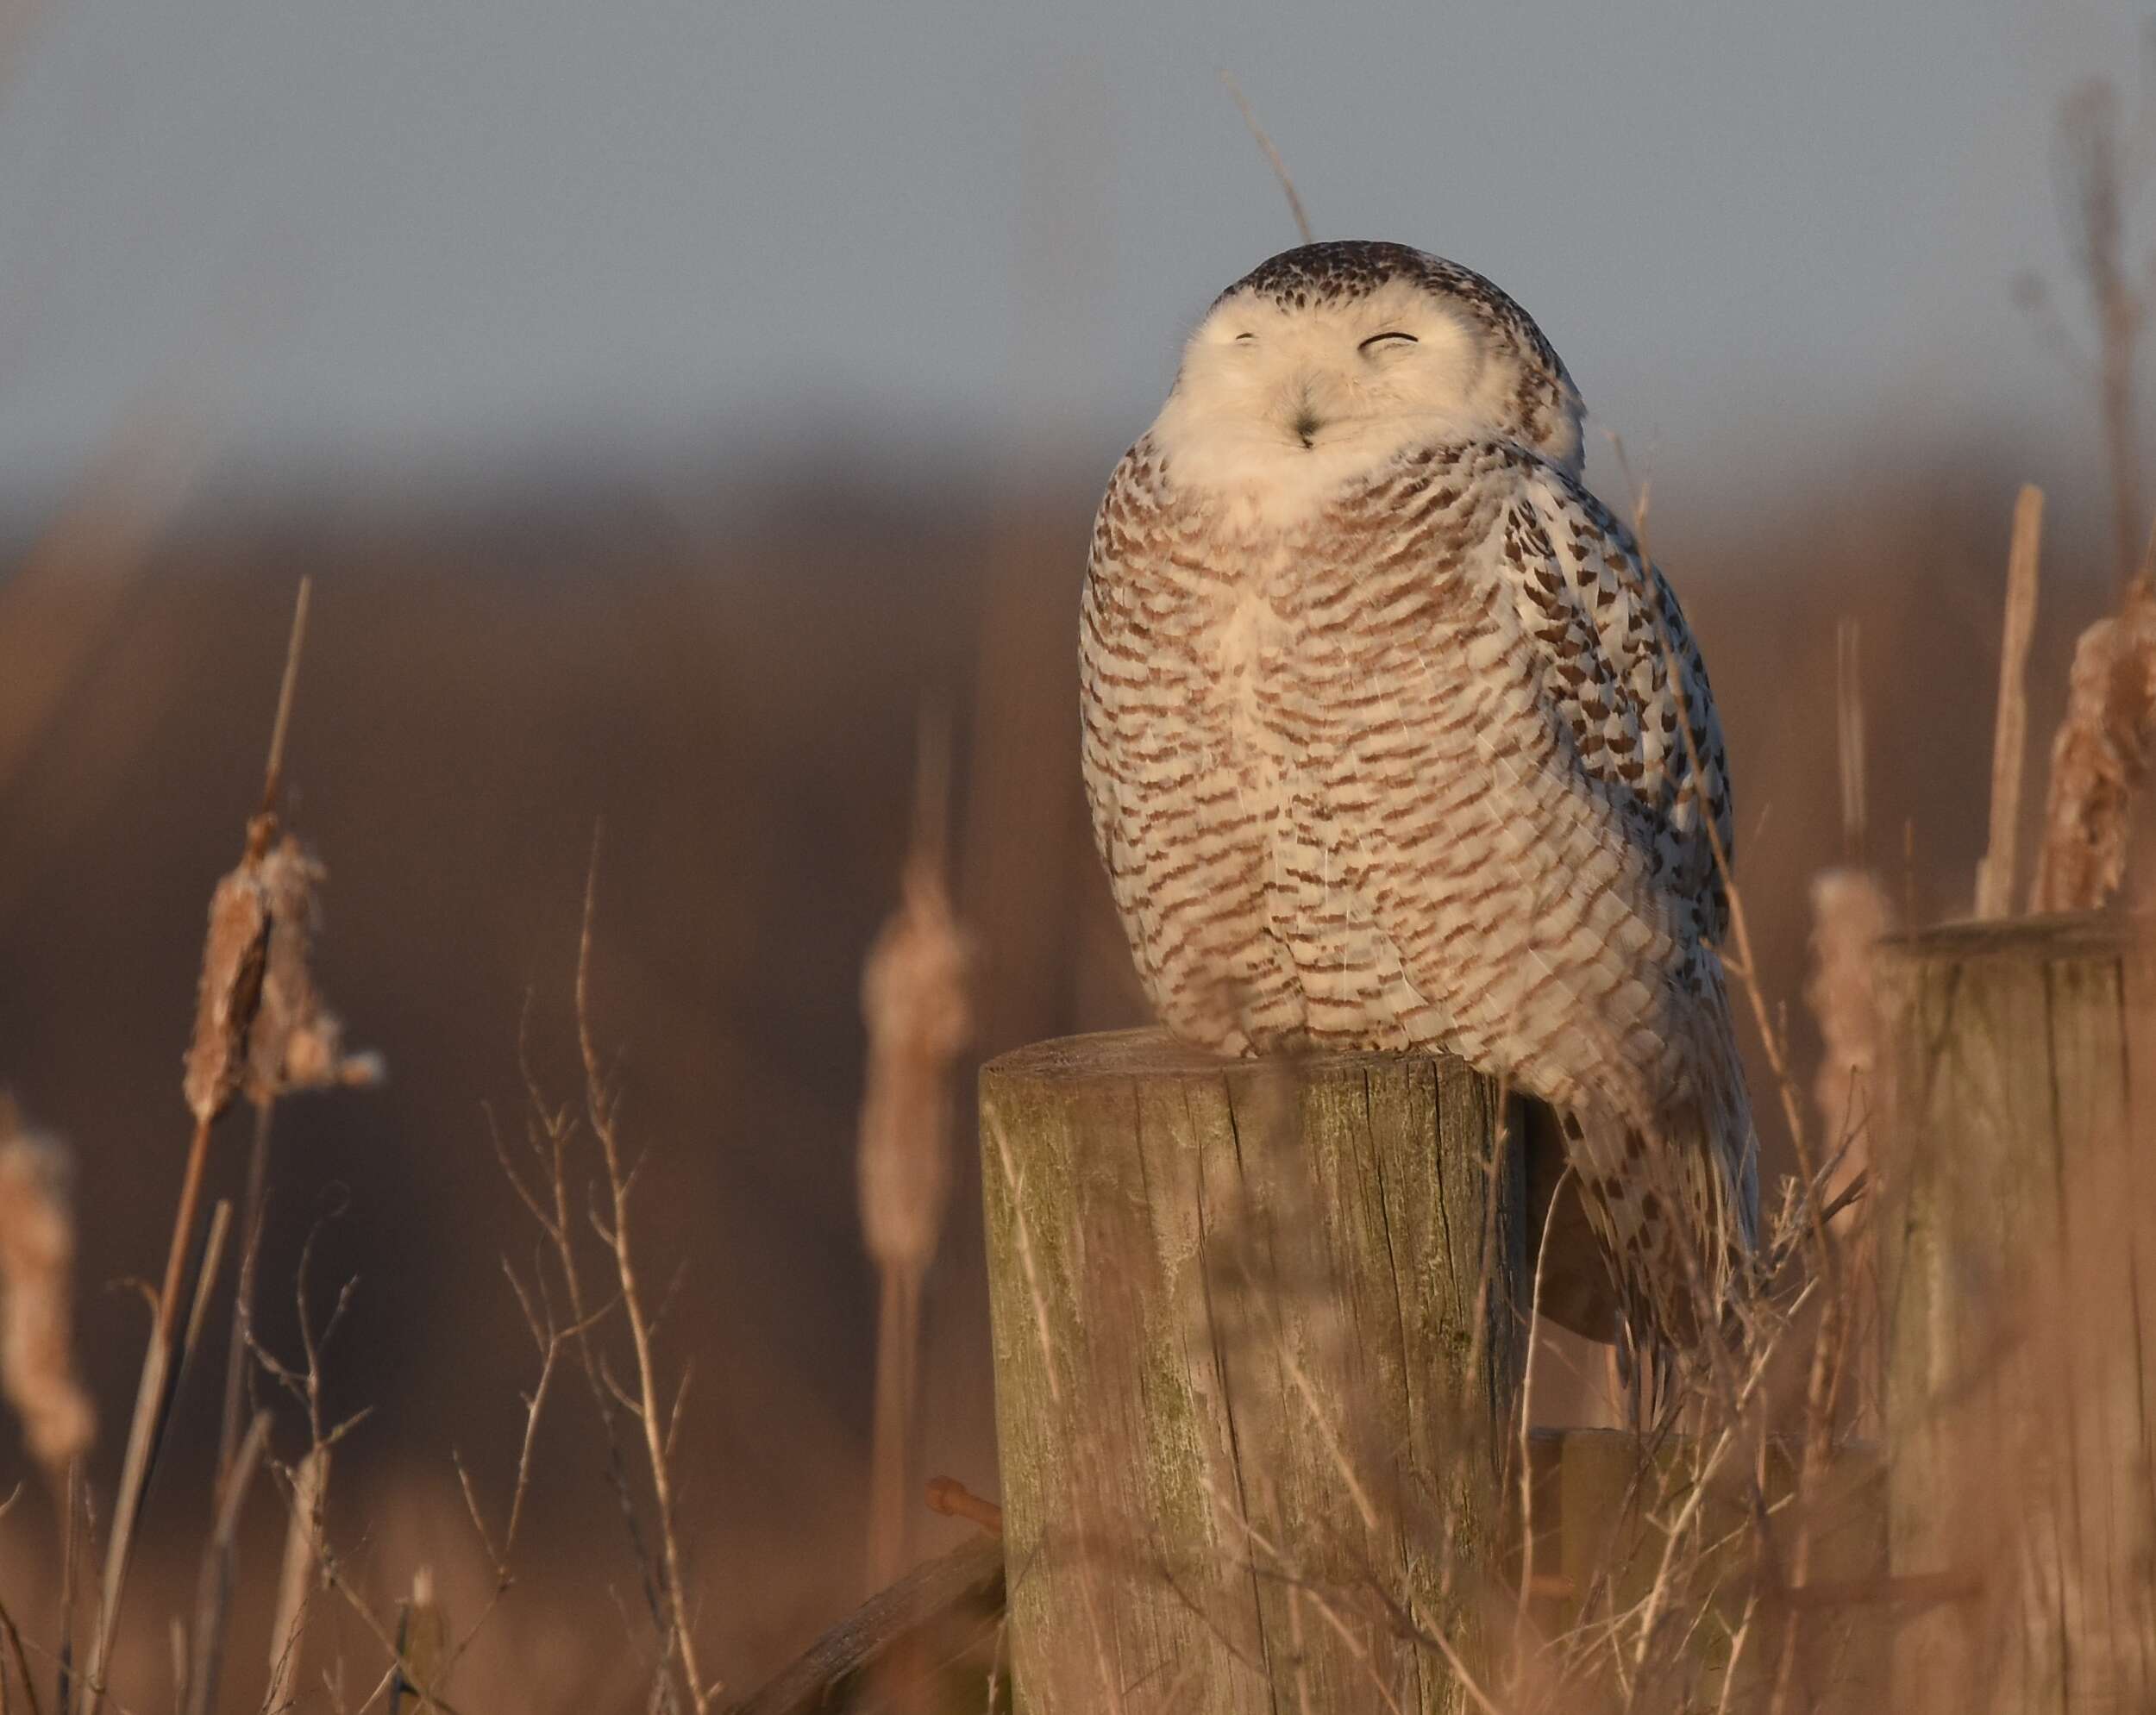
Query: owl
[[1394, 740]]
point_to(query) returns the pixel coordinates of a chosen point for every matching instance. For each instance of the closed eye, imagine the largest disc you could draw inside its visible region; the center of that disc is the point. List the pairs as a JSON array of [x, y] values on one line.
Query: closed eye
[[1379, 341], [1246, 339]]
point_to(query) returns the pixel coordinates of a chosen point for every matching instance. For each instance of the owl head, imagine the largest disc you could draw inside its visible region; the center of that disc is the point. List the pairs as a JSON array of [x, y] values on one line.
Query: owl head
[[1334, 357]]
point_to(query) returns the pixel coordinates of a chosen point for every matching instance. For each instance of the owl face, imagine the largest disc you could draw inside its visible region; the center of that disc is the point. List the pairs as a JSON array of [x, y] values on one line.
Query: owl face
[[1328, 362]]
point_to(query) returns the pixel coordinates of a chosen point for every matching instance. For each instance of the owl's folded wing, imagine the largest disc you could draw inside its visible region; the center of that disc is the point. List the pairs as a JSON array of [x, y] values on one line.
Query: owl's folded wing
[[1621, 668]]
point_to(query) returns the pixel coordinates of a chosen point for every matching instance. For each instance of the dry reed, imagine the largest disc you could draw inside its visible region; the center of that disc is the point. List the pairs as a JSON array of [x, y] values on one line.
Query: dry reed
[[2093, 180], [37, 1257], [1850, 914], [260, 1028], [235, 955], [920, 1018], [1996, 873], [1849, 737], [423, 1644], [2099, 757], [302, 1531], [1272, 155]]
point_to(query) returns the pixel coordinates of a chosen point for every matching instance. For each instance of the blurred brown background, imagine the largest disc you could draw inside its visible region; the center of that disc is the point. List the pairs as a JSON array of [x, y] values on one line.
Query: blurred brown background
[[694, 586], [732, 696]]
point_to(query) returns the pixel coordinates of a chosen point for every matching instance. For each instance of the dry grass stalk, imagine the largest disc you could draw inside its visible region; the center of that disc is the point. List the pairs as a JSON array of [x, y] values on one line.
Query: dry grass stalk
[[422, 1636], [1272, 155], [657, 1421], [17, 1660], [310, 1483], [37, 1257], [2099, 756], [2010, 744], [236, 1366], [309, 1551], [292, 1042], [213, 1595], [309, 1554], [235, 955], [2092, 183], [295, 1043], [1729, 1407], [545, 1191], [162, 1363], [1849, 913], [550, 1338], [914, 1001], [1849, 735]]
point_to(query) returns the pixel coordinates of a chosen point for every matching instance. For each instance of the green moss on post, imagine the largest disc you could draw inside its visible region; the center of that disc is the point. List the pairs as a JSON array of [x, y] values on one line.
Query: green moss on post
[[1257, 1357]]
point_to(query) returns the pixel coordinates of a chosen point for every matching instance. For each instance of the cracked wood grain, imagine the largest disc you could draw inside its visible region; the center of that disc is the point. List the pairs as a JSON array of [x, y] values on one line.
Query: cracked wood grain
[[1256, 1355]]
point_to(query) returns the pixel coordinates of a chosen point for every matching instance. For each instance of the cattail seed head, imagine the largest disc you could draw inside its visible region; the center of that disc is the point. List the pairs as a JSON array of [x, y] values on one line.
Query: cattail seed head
[[1849, 913], [261, 1023], [2098, 758], [37, 1256], [913, 998], [297, 1043], [233, 957]]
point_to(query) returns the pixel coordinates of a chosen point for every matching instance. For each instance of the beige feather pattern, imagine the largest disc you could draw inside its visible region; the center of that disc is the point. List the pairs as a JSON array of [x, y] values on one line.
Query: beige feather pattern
[[1392, 759]]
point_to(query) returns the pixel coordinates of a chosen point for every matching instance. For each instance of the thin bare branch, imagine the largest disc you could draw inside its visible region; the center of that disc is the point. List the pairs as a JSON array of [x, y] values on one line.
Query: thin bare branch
[[1272, 154]]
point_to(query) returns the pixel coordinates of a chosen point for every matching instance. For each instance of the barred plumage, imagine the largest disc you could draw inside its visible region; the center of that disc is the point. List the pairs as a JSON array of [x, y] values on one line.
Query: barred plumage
[[1383, 746]]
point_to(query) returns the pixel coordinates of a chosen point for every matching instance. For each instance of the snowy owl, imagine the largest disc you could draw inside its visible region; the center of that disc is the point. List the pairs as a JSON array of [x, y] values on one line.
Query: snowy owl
[[1386, 743]]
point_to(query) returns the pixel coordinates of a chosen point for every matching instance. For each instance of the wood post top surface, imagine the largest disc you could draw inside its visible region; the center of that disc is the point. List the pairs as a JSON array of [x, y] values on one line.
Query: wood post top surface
[[1153, 1053], [2078, 934]]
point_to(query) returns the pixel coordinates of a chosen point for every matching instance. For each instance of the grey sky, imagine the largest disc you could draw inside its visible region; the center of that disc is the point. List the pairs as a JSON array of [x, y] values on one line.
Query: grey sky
[[1760, 234]]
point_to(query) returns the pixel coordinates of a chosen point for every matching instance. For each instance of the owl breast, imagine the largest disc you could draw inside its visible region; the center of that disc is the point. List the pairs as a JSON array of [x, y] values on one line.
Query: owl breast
[[1245, 734], [1404, 772]]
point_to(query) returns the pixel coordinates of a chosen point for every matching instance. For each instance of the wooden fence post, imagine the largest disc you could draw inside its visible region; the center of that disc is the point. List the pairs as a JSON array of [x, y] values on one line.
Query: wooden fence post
[[2019, 1297], [1256, 1359]]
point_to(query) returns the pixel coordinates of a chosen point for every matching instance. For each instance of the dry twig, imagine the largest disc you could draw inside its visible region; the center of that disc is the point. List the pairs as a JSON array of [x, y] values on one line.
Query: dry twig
[[657, 1421], [1272, 154]]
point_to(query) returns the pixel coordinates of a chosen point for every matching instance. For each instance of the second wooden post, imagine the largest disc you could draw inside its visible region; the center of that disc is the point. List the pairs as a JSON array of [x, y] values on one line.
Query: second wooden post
[[2019, 1301], [1257, 1356]]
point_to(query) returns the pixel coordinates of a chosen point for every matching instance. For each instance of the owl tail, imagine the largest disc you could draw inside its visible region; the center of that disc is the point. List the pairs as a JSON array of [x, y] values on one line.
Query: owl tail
[[1675, 1199]]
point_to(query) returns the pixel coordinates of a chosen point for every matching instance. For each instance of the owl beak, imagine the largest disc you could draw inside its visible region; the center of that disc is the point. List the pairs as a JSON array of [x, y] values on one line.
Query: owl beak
[[1304, 420]]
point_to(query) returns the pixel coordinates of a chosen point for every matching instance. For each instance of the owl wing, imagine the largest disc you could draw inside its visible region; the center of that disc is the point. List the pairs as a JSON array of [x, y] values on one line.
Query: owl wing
[[1619, 668], [1572, 915], [1622, 672]]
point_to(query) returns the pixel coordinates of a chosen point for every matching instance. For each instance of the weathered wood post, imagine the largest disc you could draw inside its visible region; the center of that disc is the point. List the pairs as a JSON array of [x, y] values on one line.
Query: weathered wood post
[[1256, 1358], [2019, 1282]]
